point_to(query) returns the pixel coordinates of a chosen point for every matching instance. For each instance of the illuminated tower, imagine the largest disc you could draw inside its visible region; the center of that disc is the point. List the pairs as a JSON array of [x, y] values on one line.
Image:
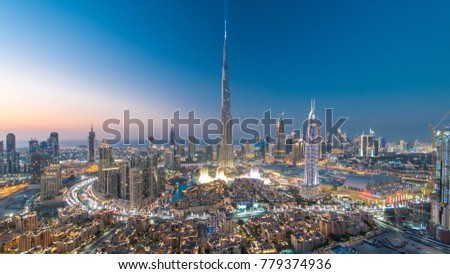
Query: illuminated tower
[[368, 145], [226, 145], [105, 159], [136, 188], [173, 145], [440, 206], [91, 140], [280, 151], [50, 182], [310, 187]]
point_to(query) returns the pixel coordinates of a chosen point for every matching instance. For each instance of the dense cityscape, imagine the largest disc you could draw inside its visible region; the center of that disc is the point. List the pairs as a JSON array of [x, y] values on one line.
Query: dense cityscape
[[293, 195]]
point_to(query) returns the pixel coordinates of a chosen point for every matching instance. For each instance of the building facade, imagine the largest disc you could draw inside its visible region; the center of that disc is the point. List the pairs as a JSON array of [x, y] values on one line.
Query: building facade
[[51, 182], [440, 208], [312, 142]]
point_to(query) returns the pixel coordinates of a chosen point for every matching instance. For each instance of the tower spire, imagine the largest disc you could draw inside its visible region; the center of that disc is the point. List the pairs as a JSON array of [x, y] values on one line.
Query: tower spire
[[225, 62], [312, 111], [226, 145]]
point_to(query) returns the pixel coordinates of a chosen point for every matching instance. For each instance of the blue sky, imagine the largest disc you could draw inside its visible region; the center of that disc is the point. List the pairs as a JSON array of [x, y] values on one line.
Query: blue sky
[[67, 64]]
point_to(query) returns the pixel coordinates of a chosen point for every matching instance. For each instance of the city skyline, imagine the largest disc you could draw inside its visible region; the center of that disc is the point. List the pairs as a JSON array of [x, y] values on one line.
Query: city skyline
[[101, 67], [251, 182]]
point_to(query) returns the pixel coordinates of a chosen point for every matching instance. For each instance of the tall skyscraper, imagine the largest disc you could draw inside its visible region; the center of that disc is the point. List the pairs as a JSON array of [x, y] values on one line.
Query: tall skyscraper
[[33, 146], [310, 187], [108, 183], [440, 207], [105, 156], [297, 152], [109, 175], [38, 161], [50, 182], [11, 154], [262, 149], [53, 144], [125, 170], [10, 143], [226, 146], [136, 188], [280, 151], [1, 148], [173, 144], [91, 140], [191, 148], [168, 158], [368, 145], [152, 180]]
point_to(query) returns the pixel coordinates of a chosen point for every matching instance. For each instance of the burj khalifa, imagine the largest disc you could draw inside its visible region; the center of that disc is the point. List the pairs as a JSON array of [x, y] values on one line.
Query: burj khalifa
[[226, 145]]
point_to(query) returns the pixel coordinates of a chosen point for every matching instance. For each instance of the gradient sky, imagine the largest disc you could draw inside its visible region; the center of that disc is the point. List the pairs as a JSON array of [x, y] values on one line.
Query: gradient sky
[[67, 64]]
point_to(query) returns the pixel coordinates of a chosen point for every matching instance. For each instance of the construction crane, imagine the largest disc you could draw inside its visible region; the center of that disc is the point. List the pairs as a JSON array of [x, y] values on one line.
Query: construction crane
[[433, 131]]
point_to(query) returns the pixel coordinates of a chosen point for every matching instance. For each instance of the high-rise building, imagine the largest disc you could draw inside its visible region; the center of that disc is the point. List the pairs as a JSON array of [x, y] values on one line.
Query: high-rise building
[[91, 140], [310, 187], [173, 144], [440, 209], [125, 170], [33, 146], [3, 162], [53, 145], [136, 188], [226, 145], [289, 144], [39, 158], [168, 158], [10, 143], [297, 152], [368, 145], [338, 142], [38, 161], [43, 146], [180, 151], [209, 152], [152, 186], [191, 148], [12, 157], [262, 149], [403, 146], [109, 175], [376, 147], [108, 184], [105, 156], [322, 145], [280, 151], [50, 182]]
